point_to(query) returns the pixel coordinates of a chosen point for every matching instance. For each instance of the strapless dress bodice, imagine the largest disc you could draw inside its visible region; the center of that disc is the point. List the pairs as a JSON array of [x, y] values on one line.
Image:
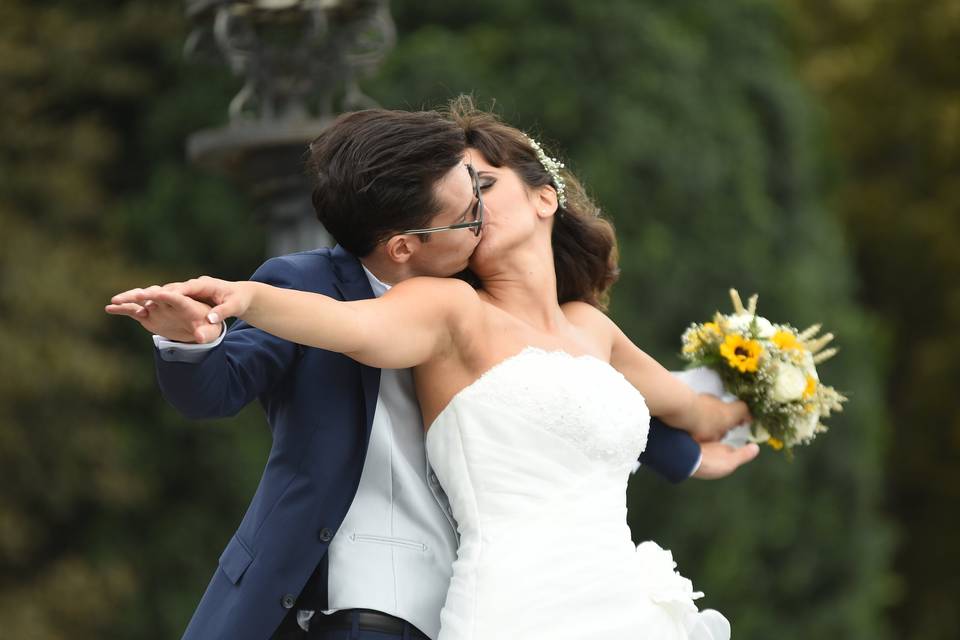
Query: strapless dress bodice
[[535, 456]]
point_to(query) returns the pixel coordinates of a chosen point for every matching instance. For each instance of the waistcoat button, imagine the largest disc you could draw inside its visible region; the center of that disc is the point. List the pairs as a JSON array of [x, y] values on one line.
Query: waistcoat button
[[288, 601], [325, 534]]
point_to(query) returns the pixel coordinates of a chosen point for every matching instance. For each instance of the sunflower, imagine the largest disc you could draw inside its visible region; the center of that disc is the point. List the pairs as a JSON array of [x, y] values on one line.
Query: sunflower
[[741, 353]]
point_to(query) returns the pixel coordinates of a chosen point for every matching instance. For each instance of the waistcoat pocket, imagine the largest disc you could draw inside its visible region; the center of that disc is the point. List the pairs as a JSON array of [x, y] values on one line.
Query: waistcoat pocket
[[397, 542]]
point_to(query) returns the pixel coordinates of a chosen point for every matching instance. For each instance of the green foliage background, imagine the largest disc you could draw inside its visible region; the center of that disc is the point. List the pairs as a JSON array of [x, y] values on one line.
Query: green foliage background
[[798, 150]]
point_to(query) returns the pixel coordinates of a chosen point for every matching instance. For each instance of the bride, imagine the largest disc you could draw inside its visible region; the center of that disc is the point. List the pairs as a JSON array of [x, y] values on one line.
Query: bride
[[537, 403]]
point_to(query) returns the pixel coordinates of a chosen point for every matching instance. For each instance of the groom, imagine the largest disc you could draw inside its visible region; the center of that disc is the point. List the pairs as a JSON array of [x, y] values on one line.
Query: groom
[[348, 534]]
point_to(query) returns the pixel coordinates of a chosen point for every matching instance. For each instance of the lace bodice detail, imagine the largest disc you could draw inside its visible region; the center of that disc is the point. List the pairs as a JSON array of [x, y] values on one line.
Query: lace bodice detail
[[579, 398]]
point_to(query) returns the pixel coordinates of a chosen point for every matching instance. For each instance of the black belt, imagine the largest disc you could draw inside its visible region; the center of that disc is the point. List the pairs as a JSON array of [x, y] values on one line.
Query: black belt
[[367, 620]]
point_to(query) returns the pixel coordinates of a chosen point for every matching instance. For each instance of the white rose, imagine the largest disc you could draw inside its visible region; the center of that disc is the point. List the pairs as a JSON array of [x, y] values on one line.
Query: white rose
[[741, 323], [789, 385], [764, 328]]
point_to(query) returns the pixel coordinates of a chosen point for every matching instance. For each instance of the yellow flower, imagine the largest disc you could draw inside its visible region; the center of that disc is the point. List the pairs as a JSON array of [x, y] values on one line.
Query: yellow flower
[[811, 387], [695, 338], [741, 353], [711, 327], [775, 444], [691, 341], [787, 341]]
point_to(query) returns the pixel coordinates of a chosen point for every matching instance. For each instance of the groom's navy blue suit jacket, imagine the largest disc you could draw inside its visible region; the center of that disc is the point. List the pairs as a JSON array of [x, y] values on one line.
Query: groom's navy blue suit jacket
[[320, 409]]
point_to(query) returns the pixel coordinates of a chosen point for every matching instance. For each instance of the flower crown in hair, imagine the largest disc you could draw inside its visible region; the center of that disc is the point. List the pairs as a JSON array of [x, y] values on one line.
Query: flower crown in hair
[[553, 166]]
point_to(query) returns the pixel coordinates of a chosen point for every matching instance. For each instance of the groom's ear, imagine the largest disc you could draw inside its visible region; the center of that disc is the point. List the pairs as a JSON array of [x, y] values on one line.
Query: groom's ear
[[400, 248]]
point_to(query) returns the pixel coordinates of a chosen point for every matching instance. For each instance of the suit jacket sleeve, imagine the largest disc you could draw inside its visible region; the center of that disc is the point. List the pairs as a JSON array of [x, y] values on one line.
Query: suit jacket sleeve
[[670, 452], [247, 363]]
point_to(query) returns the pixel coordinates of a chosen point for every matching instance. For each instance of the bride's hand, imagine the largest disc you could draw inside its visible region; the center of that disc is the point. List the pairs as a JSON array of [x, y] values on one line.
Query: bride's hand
[[177, 318], [228, 299], [718, 417]]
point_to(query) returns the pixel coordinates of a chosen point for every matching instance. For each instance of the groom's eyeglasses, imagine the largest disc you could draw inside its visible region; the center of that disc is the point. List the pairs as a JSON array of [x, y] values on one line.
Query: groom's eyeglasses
[[474, 224]]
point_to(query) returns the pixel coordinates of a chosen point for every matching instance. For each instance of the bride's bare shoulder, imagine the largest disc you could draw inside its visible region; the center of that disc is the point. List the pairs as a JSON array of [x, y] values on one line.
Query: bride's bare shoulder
[[433, 292], [428, 284], [586, 316], [591, 321]]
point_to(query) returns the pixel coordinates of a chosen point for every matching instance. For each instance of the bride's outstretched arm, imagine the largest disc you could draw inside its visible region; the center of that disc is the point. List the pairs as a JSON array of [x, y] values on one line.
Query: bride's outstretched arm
[[414, 321], [706, 417]]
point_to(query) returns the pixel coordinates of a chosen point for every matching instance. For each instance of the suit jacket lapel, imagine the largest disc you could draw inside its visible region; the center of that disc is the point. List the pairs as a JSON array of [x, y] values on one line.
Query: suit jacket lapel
[[352, 283]]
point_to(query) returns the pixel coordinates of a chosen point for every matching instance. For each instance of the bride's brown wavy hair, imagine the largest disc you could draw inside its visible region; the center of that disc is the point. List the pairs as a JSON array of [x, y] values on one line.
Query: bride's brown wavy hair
[[584, 243]]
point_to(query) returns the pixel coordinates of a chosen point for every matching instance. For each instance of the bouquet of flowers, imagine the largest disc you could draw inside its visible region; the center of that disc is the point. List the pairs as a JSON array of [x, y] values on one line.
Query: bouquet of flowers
[[771, 367]]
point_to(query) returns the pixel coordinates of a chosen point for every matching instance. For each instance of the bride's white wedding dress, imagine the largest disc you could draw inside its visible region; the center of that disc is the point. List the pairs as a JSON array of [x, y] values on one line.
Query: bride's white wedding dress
[[535, 457]]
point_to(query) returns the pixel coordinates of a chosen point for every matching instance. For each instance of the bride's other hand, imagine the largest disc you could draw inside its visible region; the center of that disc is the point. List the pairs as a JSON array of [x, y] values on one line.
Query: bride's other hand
[[719, 460], [717, 417]]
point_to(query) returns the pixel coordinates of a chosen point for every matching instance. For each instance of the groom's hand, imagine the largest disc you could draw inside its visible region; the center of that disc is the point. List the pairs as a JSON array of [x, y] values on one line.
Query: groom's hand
[[164, 313], [720, 460]]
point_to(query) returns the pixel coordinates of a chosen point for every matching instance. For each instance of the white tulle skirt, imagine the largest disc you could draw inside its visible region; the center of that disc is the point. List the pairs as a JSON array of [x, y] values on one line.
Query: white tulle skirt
[[533, 587]]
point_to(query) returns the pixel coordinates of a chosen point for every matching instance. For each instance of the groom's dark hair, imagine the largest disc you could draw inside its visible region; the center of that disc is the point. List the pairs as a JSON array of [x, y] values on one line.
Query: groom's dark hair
[[375, 170]]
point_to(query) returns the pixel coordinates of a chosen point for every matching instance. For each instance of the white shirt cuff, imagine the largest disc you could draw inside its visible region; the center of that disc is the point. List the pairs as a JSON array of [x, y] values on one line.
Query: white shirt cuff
[[696, 467], [172, 351]]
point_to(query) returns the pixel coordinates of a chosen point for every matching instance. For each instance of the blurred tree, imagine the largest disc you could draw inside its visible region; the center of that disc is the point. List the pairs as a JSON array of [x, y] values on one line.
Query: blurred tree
[[691, 125], [113, 511], [889, 77]]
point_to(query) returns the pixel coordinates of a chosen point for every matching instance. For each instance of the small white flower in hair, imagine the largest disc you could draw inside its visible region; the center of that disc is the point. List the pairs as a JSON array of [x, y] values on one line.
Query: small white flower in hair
[[553, 166]]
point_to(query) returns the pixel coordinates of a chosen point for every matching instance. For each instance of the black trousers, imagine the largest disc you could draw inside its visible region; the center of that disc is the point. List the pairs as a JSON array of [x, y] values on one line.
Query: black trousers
[[290, 630]]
